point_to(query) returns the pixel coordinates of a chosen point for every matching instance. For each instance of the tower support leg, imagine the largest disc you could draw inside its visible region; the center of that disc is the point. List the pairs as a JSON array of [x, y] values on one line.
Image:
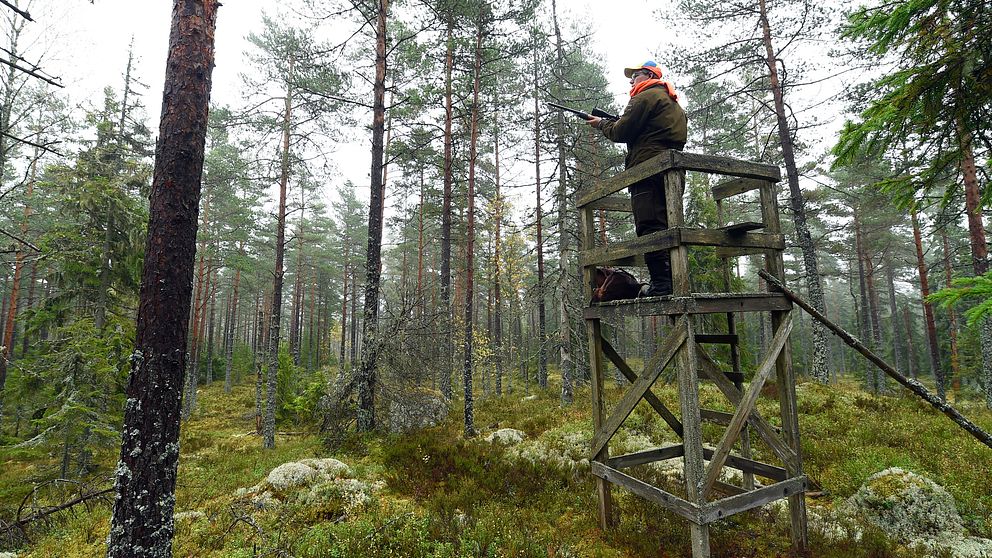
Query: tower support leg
[[692, 436]]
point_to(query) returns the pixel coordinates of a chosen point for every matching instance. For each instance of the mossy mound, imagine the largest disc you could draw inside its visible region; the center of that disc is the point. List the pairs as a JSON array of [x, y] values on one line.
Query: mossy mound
[[917, 512]]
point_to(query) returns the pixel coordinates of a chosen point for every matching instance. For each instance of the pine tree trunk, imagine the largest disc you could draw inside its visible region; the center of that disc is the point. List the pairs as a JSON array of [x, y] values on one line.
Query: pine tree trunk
[[935, 367], [344, 311], [6, 351], [229, 356], [353, 345], [193, 367], [367, 372], [34, 265], [310, 347], [470, 240], [951, 316], [295, 323], [275, 317], [893, 315], [914, 370], [564, 319], [864, 321], [979, 247], [210, 330], [542, 365], [878, 379], [497, 268], [145, 480], [797, 203], [446, 311], [28, 304], [262, 344]]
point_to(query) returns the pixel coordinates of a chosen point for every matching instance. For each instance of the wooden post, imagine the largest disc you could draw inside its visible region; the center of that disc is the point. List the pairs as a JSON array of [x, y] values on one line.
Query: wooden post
[[785, 376], [688, 377], [595, 335]]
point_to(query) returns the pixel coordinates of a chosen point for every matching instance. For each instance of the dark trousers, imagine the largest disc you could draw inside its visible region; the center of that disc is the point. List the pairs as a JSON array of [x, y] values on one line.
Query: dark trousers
[[647, 200]]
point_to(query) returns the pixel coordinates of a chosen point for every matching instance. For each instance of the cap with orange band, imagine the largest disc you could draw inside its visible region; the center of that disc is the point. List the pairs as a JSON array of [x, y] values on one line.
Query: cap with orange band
[[650, 66]]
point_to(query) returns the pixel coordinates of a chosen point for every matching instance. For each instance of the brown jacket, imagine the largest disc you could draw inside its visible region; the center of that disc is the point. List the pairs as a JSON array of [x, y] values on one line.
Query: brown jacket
[[651, 123]]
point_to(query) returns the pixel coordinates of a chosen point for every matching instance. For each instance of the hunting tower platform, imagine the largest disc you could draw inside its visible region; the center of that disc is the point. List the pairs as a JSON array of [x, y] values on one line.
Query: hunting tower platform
[[706, 497]]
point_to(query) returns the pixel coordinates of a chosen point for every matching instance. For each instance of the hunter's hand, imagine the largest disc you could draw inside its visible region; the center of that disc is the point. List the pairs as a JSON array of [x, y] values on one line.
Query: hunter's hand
[[594, 121]]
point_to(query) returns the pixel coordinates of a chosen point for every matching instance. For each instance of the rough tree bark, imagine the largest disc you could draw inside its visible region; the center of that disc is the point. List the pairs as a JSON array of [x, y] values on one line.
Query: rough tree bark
[[497, 269], [542, 364], [979, 246], [229, 349], [797, 203], [935, 368], [914, 371], [470, 239], [564, 319], [279, 273], [893, 315], [951, 314], [447, 357], [145, 478], [367, 372]]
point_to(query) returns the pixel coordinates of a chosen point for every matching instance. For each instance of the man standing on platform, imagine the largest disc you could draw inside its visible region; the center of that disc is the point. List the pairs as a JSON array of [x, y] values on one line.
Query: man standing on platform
[[652, 122]]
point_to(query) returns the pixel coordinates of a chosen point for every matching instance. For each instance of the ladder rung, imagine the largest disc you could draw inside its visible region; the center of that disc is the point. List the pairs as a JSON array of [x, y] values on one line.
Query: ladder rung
[[717, 338]]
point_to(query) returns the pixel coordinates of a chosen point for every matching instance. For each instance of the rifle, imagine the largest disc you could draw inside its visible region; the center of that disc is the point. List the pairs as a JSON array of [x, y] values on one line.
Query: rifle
[[585, 115]]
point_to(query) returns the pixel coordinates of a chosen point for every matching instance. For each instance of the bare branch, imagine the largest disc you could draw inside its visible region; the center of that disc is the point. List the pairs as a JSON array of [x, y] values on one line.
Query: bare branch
[[31, 72], [20, 12]]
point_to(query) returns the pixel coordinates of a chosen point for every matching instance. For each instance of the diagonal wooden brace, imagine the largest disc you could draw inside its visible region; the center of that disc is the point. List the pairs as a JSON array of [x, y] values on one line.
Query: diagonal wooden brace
[[652, 399], [764, 429], [652, 370], [745, 407]]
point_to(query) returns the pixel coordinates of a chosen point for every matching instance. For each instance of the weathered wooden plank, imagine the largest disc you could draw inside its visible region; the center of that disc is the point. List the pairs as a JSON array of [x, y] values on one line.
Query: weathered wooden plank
[[649, 396], [646, 456], [728, 489], [601, 255], [659, 163], [675, 237], [717, 338], [785, 377], [766, 431], [611, 203], [717, 237], [734, 187], [635, 393], [658, 496], [722, 418], [693, 470], [751, 466], [745, 406], [715, 417], [726, 507], [742, 227], [725, 165], [607, 517], [699, 303], [595, 335], [724, 252]]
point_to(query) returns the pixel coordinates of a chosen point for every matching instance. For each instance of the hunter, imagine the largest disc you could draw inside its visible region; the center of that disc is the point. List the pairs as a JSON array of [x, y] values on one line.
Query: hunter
[[652, 122]]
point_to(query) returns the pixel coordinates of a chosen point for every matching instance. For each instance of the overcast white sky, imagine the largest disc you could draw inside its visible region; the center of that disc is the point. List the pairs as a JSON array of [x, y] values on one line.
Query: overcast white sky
[[93, 43]]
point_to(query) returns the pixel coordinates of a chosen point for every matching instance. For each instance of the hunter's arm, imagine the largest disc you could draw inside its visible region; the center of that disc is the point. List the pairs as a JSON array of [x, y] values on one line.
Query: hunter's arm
[[629, 125]]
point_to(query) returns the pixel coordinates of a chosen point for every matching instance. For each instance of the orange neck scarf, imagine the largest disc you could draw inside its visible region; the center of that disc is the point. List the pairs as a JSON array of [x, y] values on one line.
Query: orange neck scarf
[[654, 81]]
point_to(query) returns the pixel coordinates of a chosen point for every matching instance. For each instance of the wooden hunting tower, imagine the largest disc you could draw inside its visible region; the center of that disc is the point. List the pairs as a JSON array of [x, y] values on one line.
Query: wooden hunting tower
[[706, 498]]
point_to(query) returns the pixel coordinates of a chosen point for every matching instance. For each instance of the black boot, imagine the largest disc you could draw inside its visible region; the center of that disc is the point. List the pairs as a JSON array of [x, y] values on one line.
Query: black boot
[[660, 268]]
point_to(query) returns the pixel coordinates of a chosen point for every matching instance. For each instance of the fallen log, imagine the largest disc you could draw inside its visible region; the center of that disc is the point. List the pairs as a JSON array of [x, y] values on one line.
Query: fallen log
[[910, 384]]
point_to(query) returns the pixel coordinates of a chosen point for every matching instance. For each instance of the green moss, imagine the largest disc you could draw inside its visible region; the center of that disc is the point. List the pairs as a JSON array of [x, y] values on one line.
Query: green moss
[[450, 497]]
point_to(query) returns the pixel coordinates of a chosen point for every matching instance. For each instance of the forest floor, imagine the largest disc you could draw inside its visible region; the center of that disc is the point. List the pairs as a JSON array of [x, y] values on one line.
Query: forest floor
[[438, 494]]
